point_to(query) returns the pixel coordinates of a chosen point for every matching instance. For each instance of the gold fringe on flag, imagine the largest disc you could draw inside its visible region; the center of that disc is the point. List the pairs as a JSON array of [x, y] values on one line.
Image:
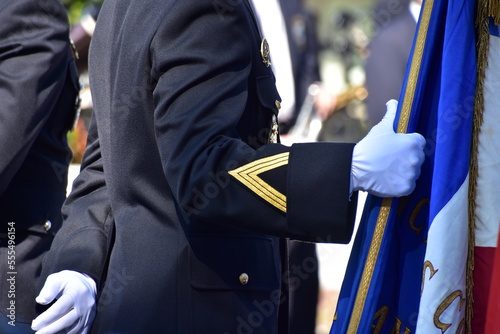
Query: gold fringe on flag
[[485, 10], [494, 10]]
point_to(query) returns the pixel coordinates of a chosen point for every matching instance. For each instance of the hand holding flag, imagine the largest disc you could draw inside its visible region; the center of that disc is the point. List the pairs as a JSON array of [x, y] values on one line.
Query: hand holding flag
[[385, 163]]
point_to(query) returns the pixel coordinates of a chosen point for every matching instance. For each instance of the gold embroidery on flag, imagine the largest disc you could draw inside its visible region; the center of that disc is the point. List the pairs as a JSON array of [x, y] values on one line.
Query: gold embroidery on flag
[[444, 305], [427, 265], [415, 213]]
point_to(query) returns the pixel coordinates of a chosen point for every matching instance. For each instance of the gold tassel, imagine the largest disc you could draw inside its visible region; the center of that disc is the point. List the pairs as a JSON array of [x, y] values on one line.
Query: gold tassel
[[485, 9], [494, 10]]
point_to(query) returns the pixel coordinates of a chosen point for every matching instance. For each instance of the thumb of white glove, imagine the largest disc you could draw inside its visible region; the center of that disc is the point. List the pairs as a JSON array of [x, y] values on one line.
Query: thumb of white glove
[[74, 309], [385, 163]]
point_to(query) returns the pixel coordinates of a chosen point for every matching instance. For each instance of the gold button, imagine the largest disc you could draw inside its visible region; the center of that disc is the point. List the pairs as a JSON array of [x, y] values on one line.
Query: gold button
[[47, 225], [278, 104], [244, 278]]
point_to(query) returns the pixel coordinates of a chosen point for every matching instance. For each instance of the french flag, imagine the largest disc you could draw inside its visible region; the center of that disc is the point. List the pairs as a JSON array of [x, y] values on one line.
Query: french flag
[[409, 270]]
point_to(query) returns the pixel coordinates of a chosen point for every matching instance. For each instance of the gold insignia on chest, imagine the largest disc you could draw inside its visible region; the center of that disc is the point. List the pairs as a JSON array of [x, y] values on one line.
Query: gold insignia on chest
[[277, 104], [265, 53], [273, 135]]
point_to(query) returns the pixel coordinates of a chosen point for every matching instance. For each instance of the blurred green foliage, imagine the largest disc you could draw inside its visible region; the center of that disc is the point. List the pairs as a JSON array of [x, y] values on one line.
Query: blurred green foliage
[[75, 8]]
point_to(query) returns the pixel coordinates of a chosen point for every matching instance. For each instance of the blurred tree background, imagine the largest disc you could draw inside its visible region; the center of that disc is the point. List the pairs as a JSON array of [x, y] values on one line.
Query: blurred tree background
[[76, 7], [77, 138]]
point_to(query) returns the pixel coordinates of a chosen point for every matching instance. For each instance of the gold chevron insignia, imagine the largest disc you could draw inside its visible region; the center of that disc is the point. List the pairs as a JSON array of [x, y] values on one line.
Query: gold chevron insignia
[[249, 175]]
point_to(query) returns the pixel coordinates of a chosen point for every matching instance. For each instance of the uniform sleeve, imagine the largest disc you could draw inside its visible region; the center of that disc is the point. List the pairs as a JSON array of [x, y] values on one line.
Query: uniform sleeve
[[88, 220], [33, 62], [202, 62]]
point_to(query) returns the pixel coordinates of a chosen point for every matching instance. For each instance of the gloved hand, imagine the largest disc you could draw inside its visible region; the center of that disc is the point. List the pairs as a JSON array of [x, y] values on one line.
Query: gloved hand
[[385, 163], [74, 311]]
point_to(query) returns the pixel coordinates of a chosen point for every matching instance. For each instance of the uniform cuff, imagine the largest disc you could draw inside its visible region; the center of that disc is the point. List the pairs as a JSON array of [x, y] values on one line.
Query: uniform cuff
[[318, 192]]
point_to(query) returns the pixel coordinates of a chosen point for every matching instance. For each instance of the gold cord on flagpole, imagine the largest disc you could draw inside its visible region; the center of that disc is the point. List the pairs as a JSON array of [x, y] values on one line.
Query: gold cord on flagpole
[[369, 268], [411, 83]]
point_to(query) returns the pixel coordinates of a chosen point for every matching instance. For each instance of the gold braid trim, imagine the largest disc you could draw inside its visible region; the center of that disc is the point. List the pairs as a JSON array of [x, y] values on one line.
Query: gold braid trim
[[494, 10], [485, 9]]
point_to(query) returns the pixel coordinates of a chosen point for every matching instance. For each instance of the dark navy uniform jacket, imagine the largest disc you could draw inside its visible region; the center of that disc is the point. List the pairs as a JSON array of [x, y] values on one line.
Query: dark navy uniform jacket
[[38, 89], [182, 201]]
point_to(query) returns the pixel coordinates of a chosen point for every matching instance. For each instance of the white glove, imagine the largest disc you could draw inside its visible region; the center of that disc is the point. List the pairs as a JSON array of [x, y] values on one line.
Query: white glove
[[74, 311], [385, 163]]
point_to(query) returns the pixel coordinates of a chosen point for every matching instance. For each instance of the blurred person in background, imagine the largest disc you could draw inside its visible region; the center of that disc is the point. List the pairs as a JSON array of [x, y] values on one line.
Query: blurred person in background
[[343, 114], [333, 110], [388, 54], [81, 34]]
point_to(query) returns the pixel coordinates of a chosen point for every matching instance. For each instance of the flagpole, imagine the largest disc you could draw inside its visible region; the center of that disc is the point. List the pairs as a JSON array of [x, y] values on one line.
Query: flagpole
[[385, 208]]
